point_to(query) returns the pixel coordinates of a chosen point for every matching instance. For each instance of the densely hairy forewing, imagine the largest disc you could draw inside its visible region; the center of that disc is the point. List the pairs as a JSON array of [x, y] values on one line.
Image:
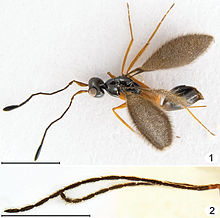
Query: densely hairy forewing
[[150, 120], [178, 52]]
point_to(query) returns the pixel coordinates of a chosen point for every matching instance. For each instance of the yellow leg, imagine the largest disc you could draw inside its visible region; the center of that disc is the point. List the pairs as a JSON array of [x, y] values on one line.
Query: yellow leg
[[199, 121], [147, 43], [121, 107], [197, 106], [129, 46], [111, 75]]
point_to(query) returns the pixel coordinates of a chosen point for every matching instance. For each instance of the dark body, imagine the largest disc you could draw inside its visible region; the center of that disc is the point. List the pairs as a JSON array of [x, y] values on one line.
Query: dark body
[[123, 85], [114, 87]]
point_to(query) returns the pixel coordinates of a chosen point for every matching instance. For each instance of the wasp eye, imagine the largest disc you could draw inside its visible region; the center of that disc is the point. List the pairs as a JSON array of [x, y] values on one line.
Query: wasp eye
[[93, 92]]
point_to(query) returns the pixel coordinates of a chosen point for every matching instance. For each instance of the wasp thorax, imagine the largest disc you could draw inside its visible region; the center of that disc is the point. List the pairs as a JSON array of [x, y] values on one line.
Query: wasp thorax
[[96, 87]]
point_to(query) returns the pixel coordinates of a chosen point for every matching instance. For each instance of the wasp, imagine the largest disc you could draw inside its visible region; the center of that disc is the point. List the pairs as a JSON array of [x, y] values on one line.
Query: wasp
[[146, 106]]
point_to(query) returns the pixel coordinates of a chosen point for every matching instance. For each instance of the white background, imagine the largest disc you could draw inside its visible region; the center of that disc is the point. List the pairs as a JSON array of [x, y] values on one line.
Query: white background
[[46, 44], [26, 185]]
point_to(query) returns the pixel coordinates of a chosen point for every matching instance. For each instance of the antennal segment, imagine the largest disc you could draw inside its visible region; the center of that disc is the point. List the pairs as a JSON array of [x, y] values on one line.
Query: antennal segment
[[129, 182], [45, 132], [12, 107]]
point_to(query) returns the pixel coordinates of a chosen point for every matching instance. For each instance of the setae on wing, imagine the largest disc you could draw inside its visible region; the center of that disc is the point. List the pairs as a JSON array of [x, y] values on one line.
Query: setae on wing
[[178, 52], [150, 120]]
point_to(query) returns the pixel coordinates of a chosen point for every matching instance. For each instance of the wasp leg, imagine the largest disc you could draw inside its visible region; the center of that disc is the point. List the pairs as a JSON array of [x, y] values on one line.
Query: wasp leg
[[197, 106], [177, 101], [111, 75], [199, 121], [129, 46], [121, 107], [147, 43]]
